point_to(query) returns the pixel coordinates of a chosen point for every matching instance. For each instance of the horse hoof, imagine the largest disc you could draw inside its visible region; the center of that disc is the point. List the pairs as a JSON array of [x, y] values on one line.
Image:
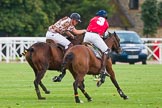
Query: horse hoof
[[47, 92], [89, 100], [99, 83], [125, 97], [42, 98], [80, 102], [56, 79]]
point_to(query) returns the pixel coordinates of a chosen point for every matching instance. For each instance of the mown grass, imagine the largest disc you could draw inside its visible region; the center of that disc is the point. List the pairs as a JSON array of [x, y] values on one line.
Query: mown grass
[[142, 83]]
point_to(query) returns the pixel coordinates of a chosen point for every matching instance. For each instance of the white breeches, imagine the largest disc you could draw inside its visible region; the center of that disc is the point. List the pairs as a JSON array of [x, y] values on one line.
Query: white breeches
[[58, 38], [96, 40]]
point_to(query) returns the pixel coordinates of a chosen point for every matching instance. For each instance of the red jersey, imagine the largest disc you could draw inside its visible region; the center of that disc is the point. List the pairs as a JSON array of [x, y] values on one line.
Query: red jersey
[[98, 25]]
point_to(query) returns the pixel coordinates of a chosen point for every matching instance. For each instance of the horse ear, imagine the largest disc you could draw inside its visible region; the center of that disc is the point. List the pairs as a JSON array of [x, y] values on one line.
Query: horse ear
[[109, 33], [114, 33]]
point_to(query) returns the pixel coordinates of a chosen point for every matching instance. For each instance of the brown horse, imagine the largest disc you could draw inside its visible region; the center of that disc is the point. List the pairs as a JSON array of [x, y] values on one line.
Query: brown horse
[[80, 60], [43, 56]]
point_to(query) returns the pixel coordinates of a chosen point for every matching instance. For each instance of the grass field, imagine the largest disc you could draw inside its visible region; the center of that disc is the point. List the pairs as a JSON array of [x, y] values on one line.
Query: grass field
[[142, 83]]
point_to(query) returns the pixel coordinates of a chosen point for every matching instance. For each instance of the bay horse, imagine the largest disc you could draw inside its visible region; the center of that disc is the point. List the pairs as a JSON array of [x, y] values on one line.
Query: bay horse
[[43, 56], [80, 60]]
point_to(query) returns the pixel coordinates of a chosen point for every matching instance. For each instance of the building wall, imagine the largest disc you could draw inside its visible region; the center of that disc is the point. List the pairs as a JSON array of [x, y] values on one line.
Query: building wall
[[135, 15]]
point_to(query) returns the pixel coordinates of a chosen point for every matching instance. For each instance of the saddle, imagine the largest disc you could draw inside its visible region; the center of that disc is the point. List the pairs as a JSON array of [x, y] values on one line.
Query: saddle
[[52, 44], [97, 52]]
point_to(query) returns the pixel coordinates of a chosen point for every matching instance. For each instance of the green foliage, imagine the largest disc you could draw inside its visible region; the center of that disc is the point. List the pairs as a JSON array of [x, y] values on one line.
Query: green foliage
[[32, 17], [86, 8], [160, 10], [26, 17], [150, 17]]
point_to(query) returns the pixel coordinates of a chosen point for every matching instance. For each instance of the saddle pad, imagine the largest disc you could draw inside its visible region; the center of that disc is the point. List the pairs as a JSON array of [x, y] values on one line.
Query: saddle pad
[[95, 50]]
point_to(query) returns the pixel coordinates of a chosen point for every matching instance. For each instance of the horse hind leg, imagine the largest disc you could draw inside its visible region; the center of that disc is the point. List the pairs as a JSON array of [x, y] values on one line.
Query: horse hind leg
[[37, 90], [37, 79], [82, 88], [79, 82], [75, 86], [37, 82], [44, 88]]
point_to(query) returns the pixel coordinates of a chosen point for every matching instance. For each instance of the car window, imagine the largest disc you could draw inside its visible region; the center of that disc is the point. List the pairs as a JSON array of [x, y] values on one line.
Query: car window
[[129, 38]]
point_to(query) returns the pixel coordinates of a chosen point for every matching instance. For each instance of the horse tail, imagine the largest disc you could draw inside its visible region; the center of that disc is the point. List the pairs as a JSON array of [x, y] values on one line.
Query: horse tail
[[68, 58], [27, 50]]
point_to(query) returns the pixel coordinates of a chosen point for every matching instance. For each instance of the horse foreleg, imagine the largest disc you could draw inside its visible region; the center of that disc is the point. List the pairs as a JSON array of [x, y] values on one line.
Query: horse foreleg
[[82, 88], [113, 79], [121, 93], [100, 82], [60, 77]]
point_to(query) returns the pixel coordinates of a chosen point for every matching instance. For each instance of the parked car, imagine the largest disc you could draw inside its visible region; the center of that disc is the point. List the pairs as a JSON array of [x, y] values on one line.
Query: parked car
[[133, 49]]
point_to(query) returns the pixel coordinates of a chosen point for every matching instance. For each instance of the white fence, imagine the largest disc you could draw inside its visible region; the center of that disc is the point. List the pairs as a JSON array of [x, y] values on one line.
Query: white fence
[[153, 45], [10, 47]]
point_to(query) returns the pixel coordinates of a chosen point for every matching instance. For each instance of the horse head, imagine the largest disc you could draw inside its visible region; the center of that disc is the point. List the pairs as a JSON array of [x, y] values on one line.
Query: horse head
[[113, 42]]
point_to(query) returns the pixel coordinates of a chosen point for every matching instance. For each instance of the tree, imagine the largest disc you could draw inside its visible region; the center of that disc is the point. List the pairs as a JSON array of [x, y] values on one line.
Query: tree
[[150, 17], [26, 17], [86, 8], [33, 17], [160, 10]]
